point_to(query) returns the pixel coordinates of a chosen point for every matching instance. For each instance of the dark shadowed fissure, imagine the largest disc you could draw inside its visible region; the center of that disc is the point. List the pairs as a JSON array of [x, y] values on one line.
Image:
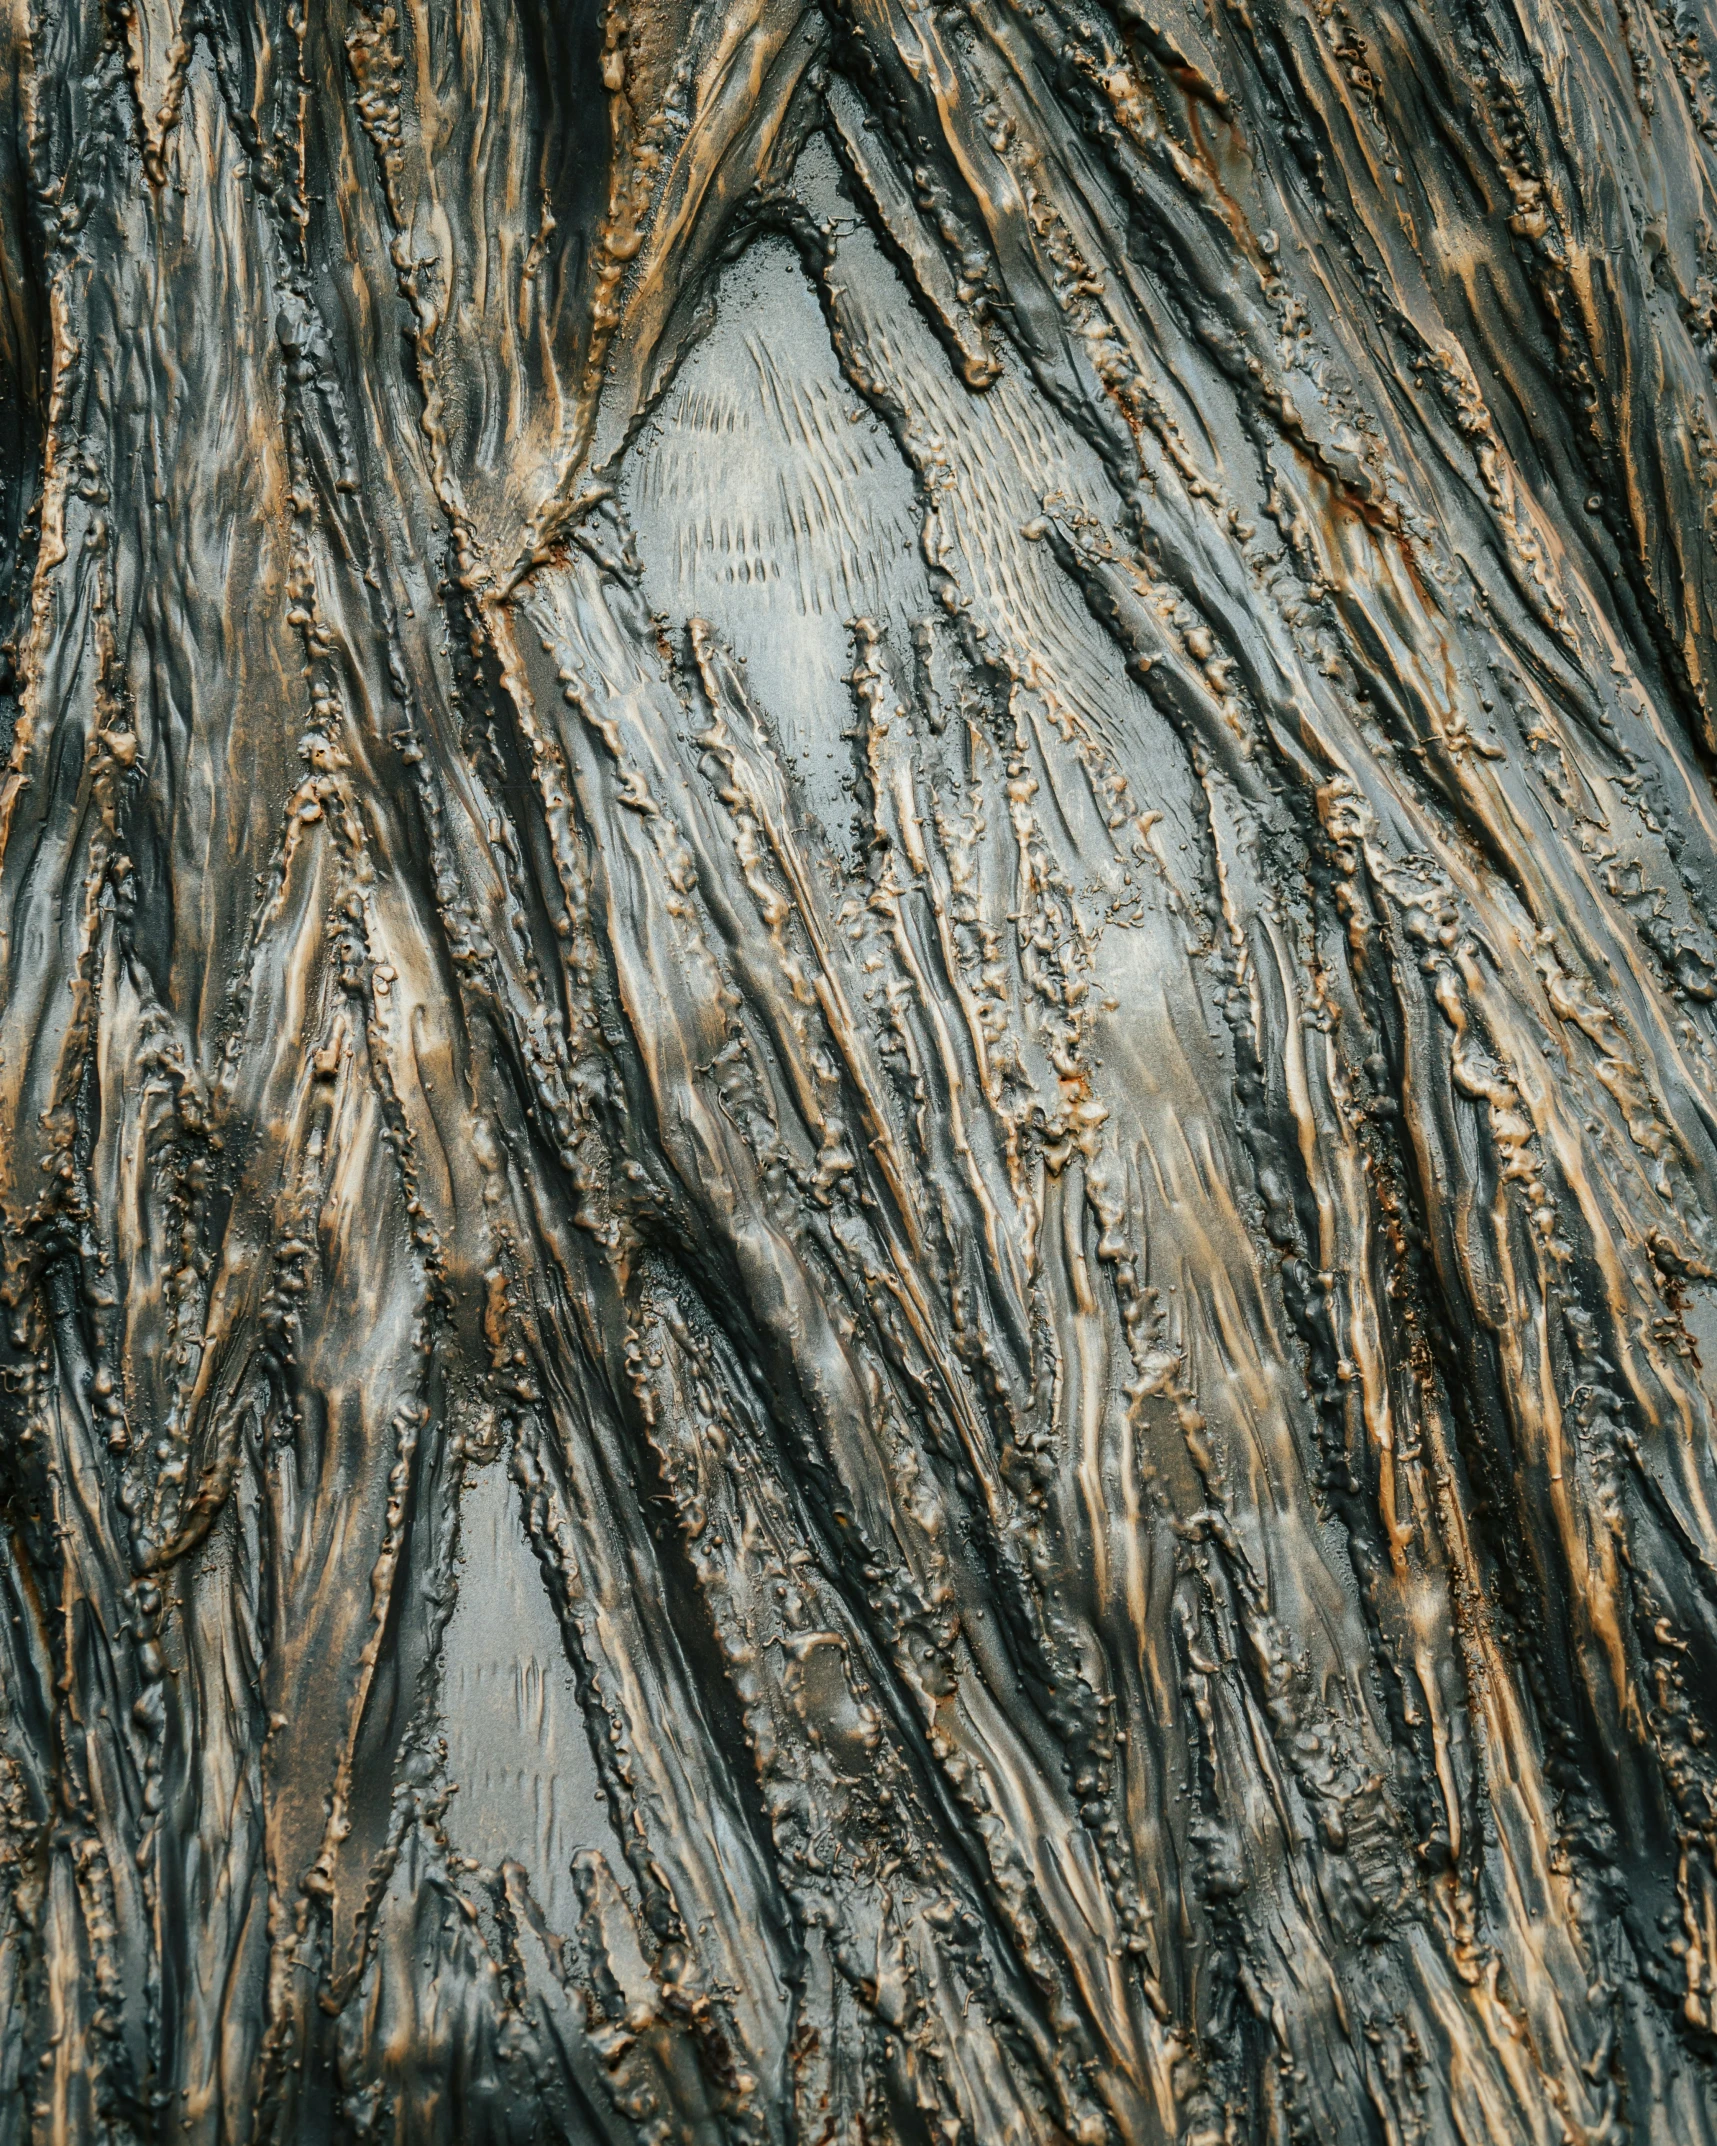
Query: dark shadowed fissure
[[858, 1074]]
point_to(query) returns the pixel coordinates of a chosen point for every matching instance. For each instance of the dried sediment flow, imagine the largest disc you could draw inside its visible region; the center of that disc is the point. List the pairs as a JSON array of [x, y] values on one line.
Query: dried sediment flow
[[858, 915]]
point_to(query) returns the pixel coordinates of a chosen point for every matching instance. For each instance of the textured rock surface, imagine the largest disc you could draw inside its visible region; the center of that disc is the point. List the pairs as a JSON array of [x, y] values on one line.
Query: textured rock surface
[[858, 1070]]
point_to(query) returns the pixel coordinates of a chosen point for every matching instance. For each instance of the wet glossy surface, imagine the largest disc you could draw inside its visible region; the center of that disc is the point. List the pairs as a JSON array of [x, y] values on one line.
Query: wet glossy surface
[[858, 927]]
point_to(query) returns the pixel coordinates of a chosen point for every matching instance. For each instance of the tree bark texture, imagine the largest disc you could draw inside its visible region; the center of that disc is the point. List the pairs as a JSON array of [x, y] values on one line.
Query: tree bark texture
[[858, 927]]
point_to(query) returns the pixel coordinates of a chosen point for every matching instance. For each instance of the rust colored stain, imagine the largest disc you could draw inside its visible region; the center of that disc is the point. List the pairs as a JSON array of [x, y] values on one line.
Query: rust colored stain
[[858, 1074]]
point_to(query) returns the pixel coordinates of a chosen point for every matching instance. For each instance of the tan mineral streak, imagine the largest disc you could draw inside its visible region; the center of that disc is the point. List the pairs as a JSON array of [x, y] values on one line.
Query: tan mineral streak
[[858, 1170]]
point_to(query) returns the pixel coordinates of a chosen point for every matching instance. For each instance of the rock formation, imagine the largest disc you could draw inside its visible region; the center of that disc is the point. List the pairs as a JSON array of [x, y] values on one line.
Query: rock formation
[[858, 1073]]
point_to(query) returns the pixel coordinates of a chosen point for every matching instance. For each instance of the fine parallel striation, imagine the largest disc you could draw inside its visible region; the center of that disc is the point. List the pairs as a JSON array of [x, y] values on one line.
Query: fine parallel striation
[[858, 1072]]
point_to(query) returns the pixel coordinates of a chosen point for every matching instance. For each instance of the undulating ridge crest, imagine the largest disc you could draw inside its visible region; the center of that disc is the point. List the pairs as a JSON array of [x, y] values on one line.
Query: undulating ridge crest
[[858, 1073]]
